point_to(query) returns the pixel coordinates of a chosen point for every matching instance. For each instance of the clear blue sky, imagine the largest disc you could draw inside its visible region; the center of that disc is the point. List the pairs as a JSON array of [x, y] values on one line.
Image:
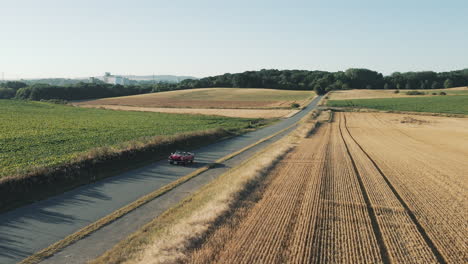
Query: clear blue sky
[[70, 38]]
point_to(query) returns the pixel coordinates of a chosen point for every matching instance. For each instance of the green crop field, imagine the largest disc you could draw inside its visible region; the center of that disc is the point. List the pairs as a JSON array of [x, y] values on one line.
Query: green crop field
[[434, 104], [43, 134]]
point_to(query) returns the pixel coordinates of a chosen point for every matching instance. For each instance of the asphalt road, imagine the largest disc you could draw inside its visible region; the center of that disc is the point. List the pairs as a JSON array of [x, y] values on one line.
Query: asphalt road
[[28, 229]]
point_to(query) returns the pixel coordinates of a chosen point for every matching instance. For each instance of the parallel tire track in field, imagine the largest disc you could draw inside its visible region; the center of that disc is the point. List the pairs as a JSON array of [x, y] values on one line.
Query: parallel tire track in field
[[372, 214], [410, 213], [309, 213], [343, 210], [424, 166], [336, 199], [265, 234]]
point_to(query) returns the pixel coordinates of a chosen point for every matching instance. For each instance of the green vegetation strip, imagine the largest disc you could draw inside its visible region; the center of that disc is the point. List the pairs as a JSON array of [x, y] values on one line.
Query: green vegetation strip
[[44, 135], [436, 104], [54, 248]]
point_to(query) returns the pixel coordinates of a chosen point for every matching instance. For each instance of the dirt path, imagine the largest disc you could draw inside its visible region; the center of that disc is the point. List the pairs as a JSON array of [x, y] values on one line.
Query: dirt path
[[363, 189]]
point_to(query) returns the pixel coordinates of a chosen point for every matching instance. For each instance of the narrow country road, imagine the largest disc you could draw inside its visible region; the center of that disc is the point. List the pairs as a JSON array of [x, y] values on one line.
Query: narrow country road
[[28, 229]]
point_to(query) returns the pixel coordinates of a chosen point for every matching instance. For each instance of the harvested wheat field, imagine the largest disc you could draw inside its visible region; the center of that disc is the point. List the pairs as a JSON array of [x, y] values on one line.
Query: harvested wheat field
[[243, 113], [211, 98], [379, 93], [366, 188]]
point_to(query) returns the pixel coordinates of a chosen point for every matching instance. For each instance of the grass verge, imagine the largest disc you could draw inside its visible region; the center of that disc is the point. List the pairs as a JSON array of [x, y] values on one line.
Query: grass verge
[[41, 255], [169, 237]]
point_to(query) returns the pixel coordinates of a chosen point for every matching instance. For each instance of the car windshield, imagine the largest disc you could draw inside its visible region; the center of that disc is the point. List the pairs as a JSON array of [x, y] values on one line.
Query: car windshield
[[180, 153]]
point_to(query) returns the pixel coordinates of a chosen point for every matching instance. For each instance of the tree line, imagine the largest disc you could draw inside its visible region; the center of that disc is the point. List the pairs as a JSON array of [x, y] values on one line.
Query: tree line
[[319, 81], [79, 91], [322, 81]]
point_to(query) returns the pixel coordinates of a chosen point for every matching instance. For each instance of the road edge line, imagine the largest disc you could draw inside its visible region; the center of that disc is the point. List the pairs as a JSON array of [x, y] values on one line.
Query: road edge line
[[70, 239]]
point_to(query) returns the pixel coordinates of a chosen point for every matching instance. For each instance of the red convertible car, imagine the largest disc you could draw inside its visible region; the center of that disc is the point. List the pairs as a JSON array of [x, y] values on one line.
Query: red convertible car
[[181, 157]]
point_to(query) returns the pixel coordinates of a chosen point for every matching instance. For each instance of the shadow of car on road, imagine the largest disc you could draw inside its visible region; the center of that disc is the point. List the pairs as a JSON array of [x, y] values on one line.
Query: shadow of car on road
[[198, 165]]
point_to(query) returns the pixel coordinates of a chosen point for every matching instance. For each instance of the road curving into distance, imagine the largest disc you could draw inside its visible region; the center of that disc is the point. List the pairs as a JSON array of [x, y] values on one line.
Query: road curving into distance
[[31, 228]]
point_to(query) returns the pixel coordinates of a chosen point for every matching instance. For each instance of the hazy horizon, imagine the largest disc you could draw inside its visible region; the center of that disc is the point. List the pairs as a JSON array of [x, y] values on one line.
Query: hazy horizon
[[69, 39], [198, 77]]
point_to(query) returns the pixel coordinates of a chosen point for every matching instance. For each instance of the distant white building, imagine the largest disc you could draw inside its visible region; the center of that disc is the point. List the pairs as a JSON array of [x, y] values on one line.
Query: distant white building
[[113, 79]]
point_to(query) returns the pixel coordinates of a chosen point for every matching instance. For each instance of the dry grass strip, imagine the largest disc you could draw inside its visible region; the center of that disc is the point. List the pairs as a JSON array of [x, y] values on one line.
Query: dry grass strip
[[239, 112]]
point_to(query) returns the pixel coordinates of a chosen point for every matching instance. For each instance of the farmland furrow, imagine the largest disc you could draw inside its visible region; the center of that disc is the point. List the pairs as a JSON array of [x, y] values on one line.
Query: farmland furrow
[[383, 248], [406, 241], [257, 239], [309, 213], [265, 235], [263, 232], [300, 250], [351, 195], [426, 179]]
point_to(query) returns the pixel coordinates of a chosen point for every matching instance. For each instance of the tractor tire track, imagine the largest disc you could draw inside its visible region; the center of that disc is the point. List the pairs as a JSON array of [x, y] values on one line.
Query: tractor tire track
[[440, 258], [372, 214]]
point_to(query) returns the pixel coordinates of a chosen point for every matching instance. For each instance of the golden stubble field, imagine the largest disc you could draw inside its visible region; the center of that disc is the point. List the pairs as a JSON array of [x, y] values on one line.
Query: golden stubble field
[[371, 94], [230, 102], [243, 113], [366, 188]]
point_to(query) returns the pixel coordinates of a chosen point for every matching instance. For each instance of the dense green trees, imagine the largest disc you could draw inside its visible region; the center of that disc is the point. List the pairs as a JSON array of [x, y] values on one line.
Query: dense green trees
[[319, 81], [7, 93], [8, 89], [435, 85], [448, 83], [364, 78], [78, 92], [13, 85]]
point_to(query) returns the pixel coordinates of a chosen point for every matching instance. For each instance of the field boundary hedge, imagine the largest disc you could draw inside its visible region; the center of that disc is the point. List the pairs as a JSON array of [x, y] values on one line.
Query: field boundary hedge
[[97, 164]]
